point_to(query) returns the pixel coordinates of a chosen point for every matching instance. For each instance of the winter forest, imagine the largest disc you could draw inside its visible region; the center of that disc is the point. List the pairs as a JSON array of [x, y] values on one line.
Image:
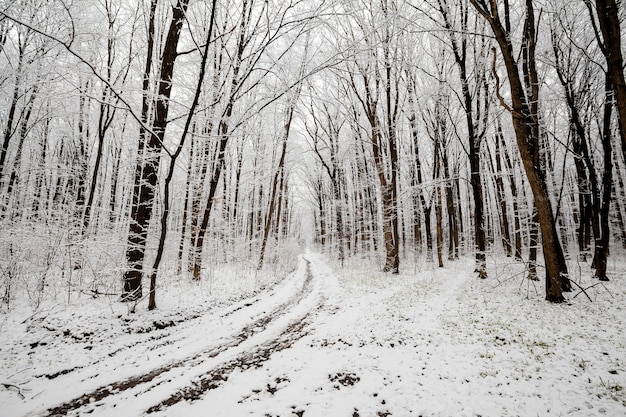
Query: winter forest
[[163, 162]]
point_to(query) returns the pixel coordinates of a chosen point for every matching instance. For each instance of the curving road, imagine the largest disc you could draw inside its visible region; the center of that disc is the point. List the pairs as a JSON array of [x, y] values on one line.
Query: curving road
[[279, 320]]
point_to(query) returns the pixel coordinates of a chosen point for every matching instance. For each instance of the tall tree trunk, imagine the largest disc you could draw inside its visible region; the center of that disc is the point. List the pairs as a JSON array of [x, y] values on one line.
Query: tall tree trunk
[[602, 241], [419, 191], [459, 49], [174, 157], [9, 129], [390, 190], [453, 242], [116, 155], [24, 128], [79, 152], [618, 199], [526, 126], [514, 194], [585, 169], [224, 136], [105, 117], [146, 172], [504, 214], [608, 18], [439, 220], [387, 186], [275, 190], [188, 189], [437, 176]]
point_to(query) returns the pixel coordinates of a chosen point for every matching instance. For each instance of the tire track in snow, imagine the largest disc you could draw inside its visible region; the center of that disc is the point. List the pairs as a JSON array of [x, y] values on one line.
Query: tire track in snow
[[246, 360], [234, 340], [160, 331], [254, 359]]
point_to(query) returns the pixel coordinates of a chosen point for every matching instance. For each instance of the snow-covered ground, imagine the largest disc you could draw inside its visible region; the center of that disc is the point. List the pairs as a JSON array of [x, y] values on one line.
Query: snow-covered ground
[[326, 341]]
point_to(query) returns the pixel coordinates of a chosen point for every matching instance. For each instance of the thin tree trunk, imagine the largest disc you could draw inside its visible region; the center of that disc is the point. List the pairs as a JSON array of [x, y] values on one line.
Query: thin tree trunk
[[105, 119], [514, 195], [181, 144], [8, 129], [602, 241], [24, 128], [438, 200], [459, 49], [224, 135], [504, 215], [188, 188], [439, 219], [453, 242], [619, 198], [275, 189]]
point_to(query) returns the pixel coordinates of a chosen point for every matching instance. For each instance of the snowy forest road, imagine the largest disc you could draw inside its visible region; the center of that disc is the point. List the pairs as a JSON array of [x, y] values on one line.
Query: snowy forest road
[[328, 341], [280, 319]]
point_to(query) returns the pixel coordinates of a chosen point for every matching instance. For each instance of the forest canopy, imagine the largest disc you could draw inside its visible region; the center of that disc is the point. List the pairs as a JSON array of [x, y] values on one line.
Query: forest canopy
[[142, 138]]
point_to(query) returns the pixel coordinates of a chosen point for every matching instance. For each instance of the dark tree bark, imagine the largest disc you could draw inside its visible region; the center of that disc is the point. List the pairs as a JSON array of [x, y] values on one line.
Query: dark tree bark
[[419, 199], [619, 196], [23, 129], [585, 168], [594, 197], [174, 158], [438, 204], [390, 191], [369, 100], [451, 206], [116, 156], [526, 125], [602, 239], [239, 75], [148, 161], [377, 92], [330, 127], [9, 128], [369, 205], [188, 187], [608, 17]]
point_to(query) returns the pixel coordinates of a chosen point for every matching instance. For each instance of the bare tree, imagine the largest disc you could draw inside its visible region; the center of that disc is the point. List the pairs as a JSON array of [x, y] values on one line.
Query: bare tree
[[150, 147], [607, 12], [475, 115], [524, 88], [108, 102], [374, 82], [325, 135]]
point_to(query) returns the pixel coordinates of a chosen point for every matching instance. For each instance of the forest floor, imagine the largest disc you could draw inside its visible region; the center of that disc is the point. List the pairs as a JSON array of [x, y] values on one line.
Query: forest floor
[[328, 341]]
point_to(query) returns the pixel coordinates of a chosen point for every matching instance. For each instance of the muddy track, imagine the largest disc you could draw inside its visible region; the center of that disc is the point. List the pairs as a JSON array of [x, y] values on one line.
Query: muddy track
[[294, 330], [254, 359]]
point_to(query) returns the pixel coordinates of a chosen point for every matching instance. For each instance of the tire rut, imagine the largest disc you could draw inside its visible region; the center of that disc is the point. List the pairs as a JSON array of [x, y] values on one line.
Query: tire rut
[[254, 359], [162, 332], [234, 340]]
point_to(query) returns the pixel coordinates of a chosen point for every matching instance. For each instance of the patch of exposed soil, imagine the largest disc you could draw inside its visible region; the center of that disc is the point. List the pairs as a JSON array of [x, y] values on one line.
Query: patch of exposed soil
[[344, 378]]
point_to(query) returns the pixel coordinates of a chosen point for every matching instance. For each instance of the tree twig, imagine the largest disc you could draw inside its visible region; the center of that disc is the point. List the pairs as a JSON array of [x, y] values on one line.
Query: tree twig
[[583, 290], [9, 385]]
